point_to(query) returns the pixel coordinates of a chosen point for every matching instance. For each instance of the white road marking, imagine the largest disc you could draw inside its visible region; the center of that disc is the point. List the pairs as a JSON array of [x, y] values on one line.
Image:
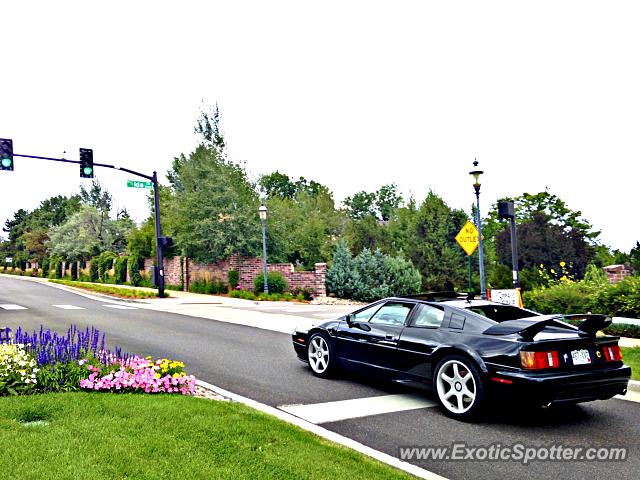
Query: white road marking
[[120, 307], [12, 306], [359, 407], [631, 396], [68, 307]]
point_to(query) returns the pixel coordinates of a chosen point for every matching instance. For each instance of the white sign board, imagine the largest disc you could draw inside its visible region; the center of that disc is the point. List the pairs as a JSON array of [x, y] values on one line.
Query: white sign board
[[8, 260], [508, 297]]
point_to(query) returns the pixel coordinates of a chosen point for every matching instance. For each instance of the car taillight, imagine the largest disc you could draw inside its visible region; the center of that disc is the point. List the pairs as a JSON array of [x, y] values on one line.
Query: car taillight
[[538, 360], [612, 353]]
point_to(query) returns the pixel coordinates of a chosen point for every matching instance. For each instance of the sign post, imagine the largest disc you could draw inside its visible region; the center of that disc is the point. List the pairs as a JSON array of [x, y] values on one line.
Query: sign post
[[467, 238]]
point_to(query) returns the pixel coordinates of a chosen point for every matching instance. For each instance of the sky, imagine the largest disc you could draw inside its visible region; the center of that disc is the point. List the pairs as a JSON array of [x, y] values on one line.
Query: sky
[[351, 94]]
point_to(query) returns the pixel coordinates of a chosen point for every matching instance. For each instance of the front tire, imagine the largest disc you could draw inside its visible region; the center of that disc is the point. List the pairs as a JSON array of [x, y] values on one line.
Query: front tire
[[320, 355], [459, 388]]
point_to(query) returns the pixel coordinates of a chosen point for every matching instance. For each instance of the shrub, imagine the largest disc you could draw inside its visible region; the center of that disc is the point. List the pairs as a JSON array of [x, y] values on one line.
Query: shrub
[[371, 275], [120, 269], [93, 270], [58, 269], [244, 294], [134, 265], [342, 276], [563, 298], [233, 278], [275, 281], [74, 271], [302, 293], [105, 263], [207, 286], [45, 267], [620, 299]]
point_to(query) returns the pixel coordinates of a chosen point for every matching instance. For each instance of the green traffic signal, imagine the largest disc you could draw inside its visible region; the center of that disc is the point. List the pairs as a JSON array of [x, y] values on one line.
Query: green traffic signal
[[86, 163], [6, 154]]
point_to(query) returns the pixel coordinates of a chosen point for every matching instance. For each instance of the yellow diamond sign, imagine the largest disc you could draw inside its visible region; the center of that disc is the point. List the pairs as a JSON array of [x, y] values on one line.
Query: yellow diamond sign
[[467, 237]]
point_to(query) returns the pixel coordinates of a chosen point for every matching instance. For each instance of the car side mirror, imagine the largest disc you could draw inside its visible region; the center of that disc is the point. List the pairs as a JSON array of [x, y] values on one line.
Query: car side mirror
[[349, 319], [364, 326]]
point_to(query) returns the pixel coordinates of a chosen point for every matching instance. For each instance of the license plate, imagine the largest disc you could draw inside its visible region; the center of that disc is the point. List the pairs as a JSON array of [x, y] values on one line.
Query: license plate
[[580, 357]]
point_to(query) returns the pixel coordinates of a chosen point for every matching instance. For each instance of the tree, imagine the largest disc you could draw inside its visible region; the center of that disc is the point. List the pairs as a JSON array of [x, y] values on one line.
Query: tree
[[85, 234], [381, 204], [548, 232], [208, 126], [277, 184], [431, 243], [213, 206]]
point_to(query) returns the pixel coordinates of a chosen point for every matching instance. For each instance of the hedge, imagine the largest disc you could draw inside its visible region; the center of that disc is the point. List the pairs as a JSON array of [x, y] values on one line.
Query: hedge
[[617, 300]]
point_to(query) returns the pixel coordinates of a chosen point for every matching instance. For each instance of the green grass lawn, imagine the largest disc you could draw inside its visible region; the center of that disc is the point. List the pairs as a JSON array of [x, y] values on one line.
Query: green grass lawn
[[109, 290], [106, 436], [631, 356]]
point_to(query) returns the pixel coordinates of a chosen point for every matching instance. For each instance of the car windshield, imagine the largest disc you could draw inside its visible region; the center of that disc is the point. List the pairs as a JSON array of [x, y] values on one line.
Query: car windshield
[[500, 313]]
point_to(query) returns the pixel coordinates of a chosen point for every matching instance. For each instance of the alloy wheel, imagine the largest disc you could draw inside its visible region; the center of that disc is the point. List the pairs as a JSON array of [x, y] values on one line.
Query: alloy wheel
[[456, 387], [319, 354]]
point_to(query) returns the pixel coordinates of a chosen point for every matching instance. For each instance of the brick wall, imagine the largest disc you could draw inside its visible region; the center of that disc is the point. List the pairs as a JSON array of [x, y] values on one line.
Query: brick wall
[[248, 269], [617, 273]]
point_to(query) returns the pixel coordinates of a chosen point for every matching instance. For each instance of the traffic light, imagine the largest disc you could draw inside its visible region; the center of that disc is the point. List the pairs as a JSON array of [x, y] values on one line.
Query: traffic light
[[6, 154], [86, 163]]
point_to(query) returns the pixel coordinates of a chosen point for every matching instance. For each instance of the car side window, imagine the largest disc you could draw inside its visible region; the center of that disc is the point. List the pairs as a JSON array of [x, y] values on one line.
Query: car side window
[[365, 315], [392, 313], [428, 316]]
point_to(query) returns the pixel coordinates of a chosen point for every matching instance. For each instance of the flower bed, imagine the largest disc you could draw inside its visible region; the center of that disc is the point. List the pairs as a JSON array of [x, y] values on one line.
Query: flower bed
[[45, 361]]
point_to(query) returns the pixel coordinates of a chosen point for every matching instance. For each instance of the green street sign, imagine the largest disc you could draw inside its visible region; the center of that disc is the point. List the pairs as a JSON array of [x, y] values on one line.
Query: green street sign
[[139, 184]]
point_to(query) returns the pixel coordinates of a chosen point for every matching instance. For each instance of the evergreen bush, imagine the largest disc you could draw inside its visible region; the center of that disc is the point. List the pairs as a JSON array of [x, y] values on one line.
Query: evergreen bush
[[233, 278], [120, 269], [134, 264]]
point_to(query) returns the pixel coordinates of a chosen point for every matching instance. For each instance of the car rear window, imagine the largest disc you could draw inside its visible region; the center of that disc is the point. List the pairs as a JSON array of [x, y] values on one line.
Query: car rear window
[[500, 313]]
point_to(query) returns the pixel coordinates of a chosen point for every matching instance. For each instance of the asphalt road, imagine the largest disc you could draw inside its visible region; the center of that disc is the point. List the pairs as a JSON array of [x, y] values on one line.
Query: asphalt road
[[261, 365]]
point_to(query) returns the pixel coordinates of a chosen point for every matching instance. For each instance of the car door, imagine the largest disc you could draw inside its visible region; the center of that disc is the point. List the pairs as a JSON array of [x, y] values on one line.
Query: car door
[[380, 343], [419, 339], [351, 339]]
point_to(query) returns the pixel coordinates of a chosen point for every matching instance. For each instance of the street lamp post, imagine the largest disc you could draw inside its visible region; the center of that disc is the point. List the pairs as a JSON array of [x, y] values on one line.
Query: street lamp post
[[476, 185], [262, 211]]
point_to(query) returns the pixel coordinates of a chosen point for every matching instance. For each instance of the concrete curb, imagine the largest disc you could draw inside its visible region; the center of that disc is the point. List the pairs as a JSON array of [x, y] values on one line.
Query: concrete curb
[[634, 386], [324, 433]]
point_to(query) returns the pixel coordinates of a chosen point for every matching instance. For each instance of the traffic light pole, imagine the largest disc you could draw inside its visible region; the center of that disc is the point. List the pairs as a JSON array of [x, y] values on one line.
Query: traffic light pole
[[159, 259], [156, 202]]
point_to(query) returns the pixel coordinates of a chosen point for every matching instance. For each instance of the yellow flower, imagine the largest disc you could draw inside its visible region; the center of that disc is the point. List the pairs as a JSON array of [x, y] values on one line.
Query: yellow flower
[[562, 264], [553, 271], [564, 278], [157, 375]]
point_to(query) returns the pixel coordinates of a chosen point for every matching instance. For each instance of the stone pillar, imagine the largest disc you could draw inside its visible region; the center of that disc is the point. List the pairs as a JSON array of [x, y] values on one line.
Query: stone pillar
[[320, 280], [185, 274]]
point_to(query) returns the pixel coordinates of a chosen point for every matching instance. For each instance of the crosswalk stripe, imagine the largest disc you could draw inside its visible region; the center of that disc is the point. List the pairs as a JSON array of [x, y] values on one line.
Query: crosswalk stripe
[[12, 306], [68, 307], [120, 307], [359, 407]]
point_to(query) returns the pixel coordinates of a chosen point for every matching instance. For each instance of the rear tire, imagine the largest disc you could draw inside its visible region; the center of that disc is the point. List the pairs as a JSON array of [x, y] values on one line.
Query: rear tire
[[320, 355], [459, 387]]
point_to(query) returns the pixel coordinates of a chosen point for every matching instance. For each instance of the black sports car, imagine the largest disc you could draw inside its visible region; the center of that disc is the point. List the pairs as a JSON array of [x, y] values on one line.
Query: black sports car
[[468, 350]]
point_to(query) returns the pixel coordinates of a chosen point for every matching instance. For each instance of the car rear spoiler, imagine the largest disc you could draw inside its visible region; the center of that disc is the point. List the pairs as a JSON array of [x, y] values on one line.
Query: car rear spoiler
[[529, 327]]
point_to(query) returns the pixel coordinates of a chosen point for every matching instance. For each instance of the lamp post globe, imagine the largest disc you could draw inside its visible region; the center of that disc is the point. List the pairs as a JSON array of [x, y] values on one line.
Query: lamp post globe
[[262, 213], [475, 173]]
